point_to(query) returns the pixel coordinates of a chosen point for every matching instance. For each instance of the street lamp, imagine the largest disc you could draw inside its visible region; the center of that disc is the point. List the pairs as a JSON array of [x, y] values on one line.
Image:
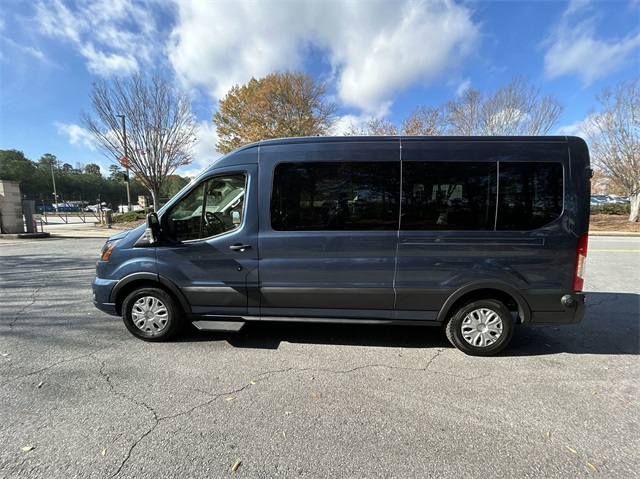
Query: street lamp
[[126, 160], [55, 192]]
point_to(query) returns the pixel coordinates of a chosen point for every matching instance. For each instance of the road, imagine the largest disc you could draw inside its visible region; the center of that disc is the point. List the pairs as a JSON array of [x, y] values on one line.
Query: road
[[80, 397]]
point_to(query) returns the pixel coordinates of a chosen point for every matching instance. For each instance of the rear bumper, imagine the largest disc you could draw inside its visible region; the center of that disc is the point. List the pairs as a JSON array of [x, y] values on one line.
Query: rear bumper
[[567, 315]]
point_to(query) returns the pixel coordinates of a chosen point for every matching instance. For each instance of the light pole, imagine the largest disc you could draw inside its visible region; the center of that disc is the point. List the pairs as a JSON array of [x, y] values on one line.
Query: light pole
[[126, 160], [55, 193]]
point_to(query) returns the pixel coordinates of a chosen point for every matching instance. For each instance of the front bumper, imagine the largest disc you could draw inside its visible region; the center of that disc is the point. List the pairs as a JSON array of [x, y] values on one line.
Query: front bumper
[[101, 294]]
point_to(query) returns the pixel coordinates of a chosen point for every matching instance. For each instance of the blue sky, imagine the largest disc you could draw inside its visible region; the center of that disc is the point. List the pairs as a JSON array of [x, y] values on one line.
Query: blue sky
[[377, 57]]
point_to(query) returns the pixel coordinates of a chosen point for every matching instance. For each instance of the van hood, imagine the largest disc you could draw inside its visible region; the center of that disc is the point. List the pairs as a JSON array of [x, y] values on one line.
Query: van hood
[[119, 236]]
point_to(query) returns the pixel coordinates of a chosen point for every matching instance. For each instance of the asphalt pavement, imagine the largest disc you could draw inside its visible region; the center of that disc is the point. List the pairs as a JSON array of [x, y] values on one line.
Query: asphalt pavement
[[80, 397]]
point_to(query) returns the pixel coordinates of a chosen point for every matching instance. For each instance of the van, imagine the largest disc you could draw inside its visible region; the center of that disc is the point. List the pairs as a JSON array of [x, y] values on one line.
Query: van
[[472, 234]]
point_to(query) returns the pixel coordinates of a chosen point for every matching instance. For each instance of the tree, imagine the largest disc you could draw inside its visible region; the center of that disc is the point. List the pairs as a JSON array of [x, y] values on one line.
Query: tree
[[376, 126], [115, 172], [48, 161], [423, 121], [173, 185], [14, 166], [160, 127], [92, 169], [517, 108], [282, 104], [614, 138]]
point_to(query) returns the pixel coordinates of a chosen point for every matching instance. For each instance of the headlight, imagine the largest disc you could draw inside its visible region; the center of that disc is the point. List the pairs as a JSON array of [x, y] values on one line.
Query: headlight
[[107, 249]]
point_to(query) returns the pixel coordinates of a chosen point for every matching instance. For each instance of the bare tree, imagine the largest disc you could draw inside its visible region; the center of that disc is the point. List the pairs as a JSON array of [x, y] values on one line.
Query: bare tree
[[464, 115], [423, 121], [614, 138], [517, 108], [376, 126], [160, 127]]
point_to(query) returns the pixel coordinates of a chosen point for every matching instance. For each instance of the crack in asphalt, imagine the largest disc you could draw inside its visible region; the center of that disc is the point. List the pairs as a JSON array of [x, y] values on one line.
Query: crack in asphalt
[[115, 392], [21, 312], [604, 300], [63, 361], [264, 376], [157, 419]]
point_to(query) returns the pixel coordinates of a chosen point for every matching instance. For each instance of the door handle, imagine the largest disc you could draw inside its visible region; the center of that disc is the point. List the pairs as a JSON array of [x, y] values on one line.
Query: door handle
[[239, 247]]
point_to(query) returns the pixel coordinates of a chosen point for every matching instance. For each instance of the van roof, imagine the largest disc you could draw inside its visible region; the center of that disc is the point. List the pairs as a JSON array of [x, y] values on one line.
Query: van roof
[[352, 139]]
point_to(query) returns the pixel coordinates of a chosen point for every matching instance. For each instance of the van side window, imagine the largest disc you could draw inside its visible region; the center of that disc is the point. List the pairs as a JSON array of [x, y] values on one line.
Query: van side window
[[316, 196], [448, 195], [213, 207], [530, 195]]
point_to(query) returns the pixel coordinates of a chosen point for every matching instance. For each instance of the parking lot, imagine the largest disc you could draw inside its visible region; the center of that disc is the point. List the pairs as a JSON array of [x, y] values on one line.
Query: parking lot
[[80, 397]]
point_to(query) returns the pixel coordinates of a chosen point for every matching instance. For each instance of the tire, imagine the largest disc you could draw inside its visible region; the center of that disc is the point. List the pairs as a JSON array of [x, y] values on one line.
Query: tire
[[151, 314], [480, 328]]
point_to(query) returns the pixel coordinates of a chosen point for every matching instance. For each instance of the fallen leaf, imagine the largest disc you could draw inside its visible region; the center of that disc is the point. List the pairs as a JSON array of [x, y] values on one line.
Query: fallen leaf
[[548, 433], [314, 395], [593, 467], [312, 378], [284, 434], [27, 448], [235, 466], [253, 383], [572, 450], [230, 398], [104, 452], [287, 413]]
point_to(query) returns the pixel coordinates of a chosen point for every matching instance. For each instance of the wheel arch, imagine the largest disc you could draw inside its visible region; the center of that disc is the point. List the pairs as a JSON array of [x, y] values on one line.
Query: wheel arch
[[506, 294], [151, 280]]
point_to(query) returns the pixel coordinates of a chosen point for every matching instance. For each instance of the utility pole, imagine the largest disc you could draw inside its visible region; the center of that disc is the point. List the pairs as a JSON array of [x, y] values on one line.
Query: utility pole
[[126, 161], [55, 193]]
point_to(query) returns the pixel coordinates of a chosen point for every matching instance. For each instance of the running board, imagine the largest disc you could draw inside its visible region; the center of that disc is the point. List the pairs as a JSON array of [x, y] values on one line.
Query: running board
[[226, 326]]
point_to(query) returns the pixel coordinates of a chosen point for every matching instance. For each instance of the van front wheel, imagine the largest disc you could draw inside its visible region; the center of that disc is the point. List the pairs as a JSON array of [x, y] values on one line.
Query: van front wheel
[[480, 328], [151, 314]]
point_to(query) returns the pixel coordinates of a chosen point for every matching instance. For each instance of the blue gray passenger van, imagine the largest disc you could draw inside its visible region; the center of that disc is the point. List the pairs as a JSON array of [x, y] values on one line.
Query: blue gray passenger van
[[473, 234]]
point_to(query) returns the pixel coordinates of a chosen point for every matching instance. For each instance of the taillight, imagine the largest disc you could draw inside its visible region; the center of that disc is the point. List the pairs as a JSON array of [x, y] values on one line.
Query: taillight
[[581, 258]]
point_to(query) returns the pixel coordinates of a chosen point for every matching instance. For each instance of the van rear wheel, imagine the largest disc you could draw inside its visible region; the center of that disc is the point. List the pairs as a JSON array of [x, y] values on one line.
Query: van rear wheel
[[151, 314], [480, 328]]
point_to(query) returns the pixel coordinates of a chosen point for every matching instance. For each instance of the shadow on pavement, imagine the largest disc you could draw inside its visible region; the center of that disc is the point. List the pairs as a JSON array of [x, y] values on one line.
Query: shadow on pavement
[[611, 326]]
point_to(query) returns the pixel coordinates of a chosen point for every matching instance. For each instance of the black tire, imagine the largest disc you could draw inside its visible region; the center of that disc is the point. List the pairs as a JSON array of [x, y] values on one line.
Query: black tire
[[480, 328], [151, 314]]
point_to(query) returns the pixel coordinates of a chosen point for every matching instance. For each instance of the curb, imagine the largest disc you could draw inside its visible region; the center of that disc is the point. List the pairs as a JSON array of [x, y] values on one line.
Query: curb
[[615, 233]]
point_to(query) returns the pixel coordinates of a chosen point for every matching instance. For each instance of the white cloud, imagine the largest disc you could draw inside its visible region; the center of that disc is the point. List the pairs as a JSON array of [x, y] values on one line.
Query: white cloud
[[371, 49], [26, 50], [114, 36], [574, 49], [77, 135], [579, 128], [104, 64], [346, 123], [204, 152], [463, 87]]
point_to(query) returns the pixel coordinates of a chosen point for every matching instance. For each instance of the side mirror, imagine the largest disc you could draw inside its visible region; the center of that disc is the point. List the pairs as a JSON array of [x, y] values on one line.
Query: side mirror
[[153, 228]]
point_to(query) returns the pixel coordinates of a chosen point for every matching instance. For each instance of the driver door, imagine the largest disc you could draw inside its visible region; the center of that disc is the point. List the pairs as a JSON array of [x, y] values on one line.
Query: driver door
[[212, 243]]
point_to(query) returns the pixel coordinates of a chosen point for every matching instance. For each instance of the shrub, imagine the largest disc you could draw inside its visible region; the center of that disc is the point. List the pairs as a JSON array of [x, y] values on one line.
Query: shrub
[[611, 209], [129, 216]]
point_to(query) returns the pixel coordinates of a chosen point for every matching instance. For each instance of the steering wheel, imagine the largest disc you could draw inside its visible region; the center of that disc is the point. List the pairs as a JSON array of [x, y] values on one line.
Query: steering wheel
[[214, 223]]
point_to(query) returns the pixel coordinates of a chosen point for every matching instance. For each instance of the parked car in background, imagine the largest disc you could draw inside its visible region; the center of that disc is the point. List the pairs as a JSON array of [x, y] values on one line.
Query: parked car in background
[[623, 200], [96, 208], [597, 200]]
